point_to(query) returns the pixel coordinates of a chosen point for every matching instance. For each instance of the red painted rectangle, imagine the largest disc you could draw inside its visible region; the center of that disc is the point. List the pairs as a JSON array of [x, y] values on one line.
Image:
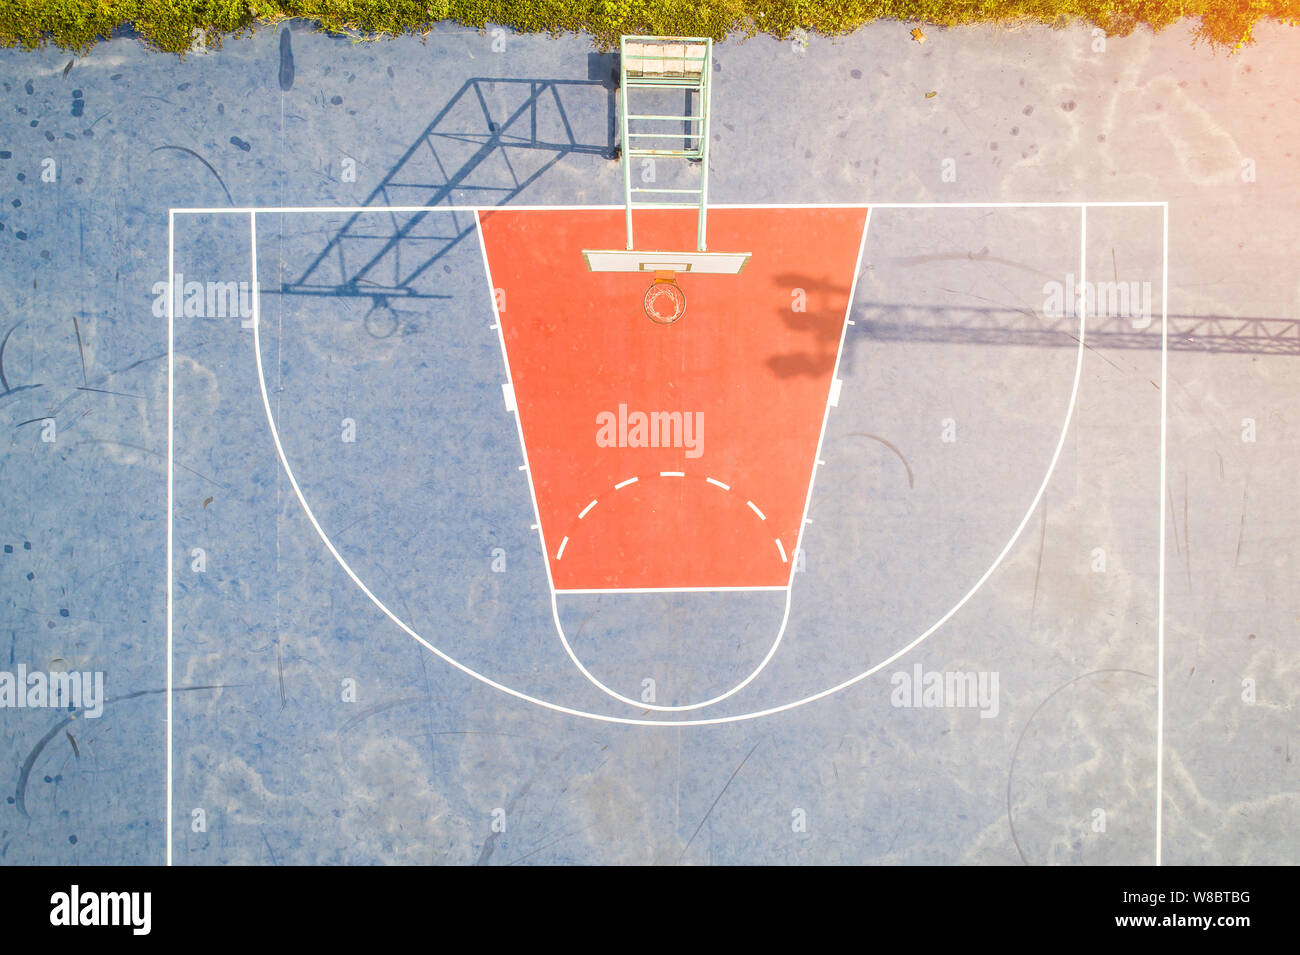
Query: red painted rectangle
[[735, 391]]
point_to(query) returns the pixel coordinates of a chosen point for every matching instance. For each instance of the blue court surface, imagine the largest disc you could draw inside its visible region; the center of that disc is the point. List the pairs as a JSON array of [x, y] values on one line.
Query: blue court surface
[[281, 579]]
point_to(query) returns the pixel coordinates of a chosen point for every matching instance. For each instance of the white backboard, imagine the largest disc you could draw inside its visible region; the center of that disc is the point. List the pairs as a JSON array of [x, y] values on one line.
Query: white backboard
[[622, 260], [658, 58]]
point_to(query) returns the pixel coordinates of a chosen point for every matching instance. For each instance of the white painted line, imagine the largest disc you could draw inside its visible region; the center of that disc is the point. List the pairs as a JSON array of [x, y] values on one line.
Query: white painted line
[[476, 210], [586, 509], [508, 392], [523, 467], [1160, 599], [852, 322], [782, 550], [836, 385], [622, 484], [672, 474], [171, 493], [821, 462], [725, 487], [560, 553], [754, 507]]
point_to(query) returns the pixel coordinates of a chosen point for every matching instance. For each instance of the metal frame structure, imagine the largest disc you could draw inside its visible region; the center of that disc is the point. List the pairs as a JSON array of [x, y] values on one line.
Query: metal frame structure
[[666, 63]]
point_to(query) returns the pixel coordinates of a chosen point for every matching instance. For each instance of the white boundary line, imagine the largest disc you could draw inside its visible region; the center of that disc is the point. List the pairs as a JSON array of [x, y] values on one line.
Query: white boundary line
[[634, 721], [1164, 365], [171, 488], [1160, 600], [571, 711], [381, 210]]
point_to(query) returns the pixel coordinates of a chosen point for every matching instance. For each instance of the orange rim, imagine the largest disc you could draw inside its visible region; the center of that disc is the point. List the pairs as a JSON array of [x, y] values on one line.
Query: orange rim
[[664, 302]]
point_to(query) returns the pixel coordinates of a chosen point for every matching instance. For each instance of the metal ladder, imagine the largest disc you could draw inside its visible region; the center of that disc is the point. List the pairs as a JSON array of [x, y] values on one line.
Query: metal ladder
[[666, 63]]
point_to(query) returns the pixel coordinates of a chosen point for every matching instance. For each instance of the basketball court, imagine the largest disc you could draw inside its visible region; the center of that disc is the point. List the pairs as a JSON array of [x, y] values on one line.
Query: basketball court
[[503, 526], [658, 496]]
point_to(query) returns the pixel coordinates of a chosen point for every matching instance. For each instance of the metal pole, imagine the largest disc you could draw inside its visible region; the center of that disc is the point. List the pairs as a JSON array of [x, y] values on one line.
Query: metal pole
[[706, 84], [626, 143]]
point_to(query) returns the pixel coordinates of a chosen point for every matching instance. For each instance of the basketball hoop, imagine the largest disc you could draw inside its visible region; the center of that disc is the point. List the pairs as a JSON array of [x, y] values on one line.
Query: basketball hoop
[[664, 302]]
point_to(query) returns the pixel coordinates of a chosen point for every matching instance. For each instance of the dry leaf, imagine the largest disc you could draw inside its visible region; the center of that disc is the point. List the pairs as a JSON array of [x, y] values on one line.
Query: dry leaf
[[932, 94], [917, 35]]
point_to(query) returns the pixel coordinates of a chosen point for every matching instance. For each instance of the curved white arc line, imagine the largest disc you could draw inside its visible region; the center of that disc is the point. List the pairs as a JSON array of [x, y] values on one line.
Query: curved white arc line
[[633, 721], [591, 678]]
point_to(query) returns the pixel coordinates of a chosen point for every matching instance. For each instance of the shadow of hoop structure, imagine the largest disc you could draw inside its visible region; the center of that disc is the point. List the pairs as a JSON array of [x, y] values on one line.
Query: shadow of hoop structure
[[1216, 334], [490, 142]]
